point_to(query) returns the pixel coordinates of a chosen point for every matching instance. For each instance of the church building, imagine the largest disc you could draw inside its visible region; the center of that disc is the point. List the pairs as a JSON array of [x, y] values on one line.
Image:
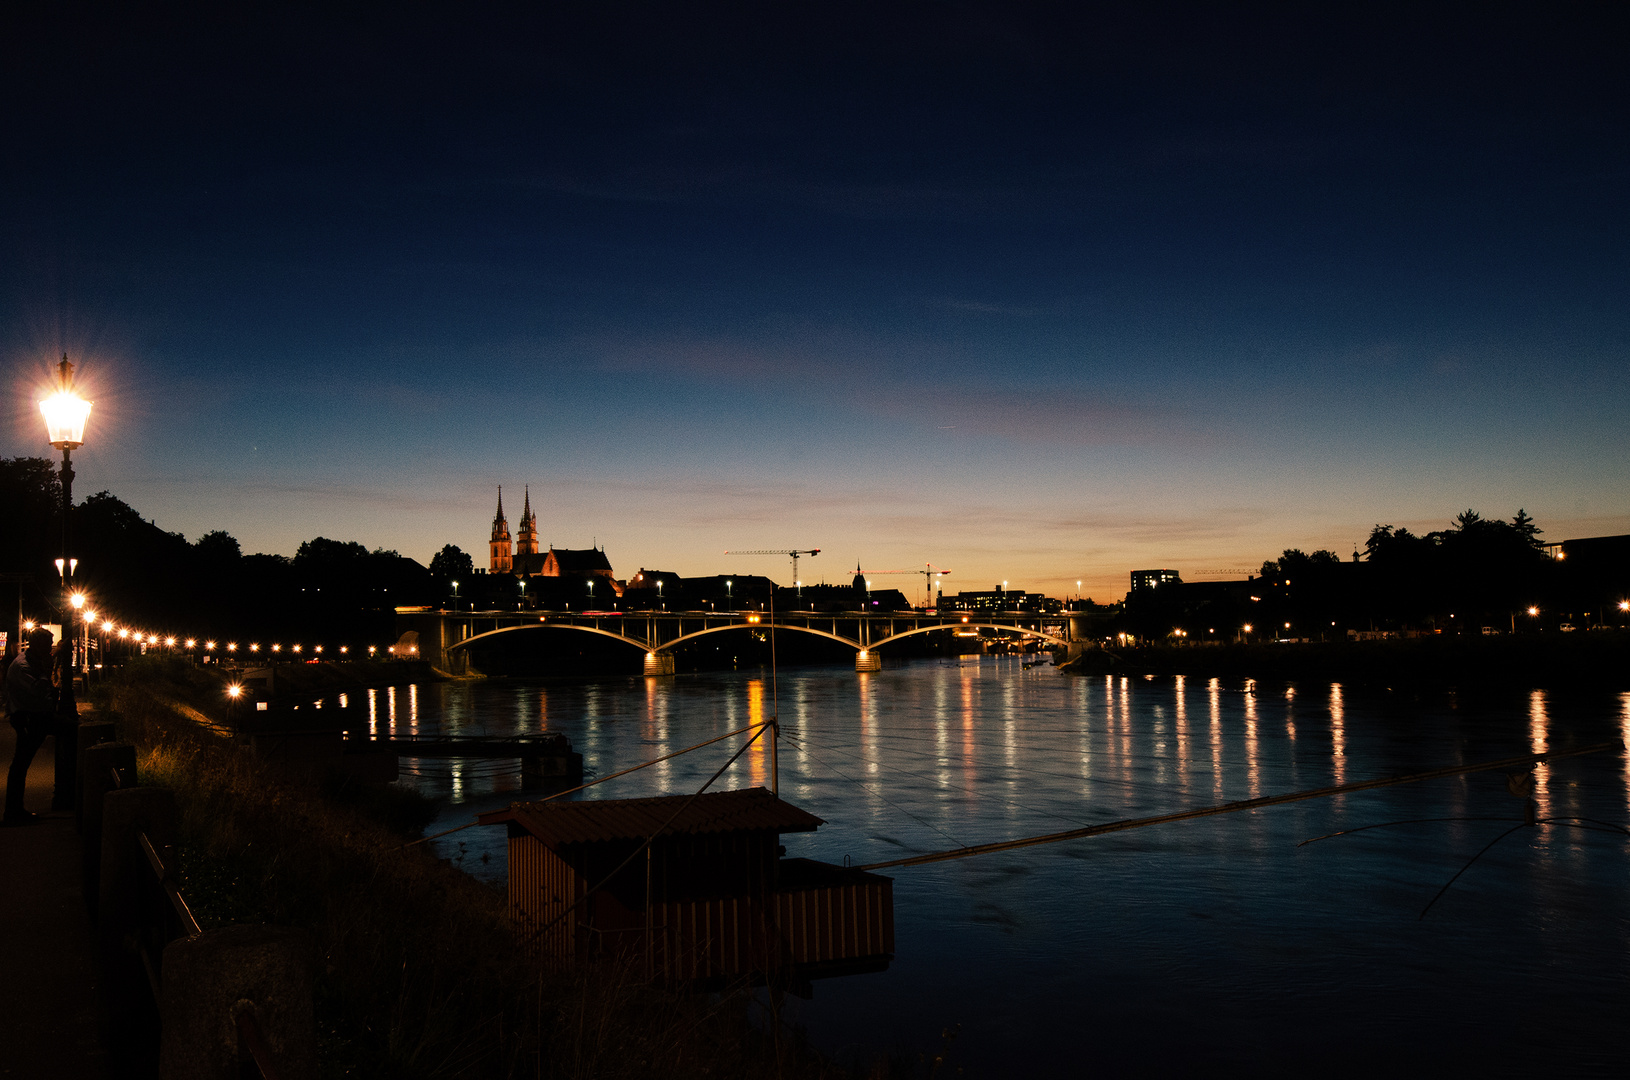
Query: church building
[[525, 560]]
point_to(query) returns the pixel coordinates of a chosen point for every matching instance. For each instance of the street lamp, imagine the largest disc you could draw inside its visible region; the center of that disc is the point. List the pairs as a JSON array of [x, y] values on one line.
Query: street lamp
[[65, 414], [730, 595]]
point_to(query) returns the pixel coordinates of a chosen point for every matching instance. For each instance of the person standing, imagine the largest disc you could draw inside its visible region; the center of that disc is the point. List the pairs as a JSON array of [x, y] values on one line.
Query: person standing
[[30, 700]]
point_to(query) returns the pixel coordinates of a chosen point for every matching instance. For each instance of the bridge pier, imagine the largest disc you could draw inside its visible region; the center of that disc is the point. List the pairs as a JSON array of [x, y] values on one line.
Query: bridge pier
[[868, 660], [659, 663]]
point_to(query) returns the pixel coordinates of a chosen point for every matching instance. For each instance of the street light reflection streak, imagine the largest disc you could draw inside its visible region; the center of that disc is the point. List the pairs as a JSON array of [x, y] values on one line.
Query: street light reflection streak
[[1539, 732], [1338, 734], [1216, 737]]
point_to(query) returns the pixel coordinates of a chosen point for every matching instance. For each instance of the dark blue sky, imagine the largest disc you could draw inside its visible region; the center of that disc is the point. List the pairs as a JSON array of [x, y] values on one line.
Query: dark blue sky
[[1038, 297]]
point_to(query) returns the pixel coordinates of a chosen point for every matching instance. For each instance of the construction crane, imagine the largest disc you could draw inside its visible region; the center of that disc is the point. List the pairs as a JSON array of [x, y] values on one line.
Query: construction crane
[[796, 555], [928, 574]]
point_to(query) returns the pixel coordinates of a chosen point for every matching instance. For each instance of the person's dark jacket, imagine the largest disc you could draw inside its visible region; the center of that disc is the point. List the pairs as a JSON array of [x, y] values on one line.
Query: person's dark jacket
[[28, 686]]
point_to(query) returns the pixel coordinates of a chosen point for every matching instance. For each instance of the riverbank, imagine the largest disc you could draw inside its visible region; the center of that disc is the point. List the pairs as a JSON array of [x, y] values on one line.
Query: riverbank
[[419, 974], [1588, 659]]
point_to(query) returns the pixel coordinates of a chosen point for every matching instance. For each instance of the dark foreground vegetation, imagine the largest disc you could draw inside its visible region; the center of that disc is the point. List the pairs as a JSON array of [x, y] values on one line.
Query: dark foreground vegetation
[[142, 575], [418, 972], [1596, 659]]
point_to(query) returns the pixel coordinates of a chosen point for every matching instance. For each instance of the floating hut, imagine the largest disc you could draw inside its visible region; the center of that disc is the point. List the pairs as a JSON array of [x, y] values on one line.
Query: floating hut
[[711, 899]]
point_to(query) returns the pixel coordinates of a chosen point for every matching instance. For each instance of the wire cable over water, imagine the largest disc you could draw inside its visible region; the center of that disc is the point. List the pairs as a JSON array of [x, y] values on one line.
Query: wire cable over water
[[1236, 807], [611, 776]]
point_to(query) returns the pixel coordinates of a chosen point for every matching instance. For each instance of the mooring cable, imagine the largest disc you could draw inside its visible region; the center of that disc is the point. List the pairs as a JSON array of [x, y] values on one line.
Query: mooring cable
[[603, 779], [1236, 807], [649, 840]]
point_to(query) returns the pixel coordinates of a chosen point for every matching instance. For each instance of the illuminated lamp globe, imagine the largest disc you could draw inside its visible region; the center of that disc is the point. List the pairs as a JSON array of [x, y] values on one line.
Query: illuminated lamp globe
[[65, 413]]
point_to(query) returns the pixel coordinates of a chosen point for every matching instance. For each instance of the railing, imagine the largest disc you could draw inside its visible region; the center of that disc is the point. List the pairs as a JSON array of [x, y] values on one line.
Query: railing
[[157, 914]]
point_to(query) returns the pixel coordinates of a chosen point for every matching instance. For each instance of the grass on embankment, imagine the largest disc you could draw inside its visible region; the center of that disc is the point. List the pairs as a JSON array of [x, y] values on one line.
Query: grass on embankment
[[418, 974]]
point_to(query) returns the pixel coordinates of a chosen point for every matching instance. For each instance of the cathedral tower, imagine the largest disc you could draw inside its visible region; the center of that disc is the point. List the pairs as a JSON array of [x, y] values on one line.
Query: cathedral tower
[[526, 537], [500, 539]]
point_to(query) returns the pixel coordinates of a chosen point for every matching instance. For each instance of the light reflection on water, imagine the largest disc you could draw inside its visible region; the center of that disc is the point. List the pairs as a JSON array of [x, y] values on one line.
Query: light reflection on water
[[1217, 943]]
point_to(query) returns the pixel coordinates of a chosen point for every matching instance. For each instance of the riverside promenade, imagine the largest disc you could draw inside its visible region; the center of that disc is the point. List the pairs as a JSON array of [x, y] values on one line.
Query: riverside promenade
[[52, 1020]]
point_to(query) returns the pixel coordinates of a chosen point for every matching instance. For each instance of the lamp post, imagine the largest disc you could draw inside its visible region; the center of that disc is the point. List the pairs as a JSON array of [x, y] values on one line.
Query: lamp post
[[65, 414]]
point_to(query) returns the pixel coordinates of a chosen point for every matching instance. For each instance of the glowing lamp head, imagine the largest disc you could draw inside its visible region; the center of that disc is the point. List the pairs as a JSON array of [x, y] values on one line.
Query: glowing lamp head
[[107, 627], [234, 691], [210, 645], [254, 646], [28, 624], [232, 646], [65, 411], [170, 641], [77, 600], [1624, 605], [1533, 611], [192, 643]]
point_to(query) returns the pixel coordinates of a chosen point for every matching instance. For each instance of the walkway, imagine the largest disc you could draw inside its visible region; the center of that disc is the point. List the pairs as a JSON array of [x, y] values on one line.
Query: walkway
[[50, 1007]]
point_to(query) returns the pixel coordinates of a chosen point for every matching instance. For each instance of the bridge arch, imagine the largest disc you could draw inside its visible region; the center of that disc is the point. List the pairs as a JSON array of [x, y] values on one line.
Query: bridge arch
[[642, 646], [666, 645], [1054, 638]]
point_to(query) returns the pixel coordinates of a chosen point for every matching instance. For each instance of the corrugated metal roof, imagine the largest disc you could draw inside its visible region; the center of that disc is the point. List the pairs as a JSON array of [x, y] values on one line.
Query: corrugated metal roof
[[600, 820]]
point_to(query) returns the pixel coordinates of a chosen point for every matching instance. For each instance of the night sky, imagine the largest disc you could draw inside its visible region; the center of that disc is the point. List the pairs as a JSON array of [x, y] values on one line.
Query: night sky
[[1033, 297]]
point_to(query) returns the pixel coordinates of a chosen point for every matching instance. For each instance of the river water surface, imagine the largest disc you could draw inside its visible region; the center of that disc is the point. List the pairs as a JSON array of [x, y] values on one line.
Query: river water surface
[[1217, 944]]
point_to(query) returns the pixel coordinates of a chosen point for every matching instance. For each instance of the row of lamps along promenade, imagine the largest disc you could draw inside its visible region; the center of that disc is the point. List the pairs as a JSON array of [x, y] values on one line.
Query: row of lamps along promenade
[[66, 412]]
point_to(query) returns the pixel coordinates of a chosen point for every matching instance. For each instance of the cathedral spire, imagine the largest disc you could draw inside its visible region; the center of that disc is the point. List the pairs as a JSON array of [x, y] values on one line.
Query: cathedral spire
[[499, 545], [526, 537]]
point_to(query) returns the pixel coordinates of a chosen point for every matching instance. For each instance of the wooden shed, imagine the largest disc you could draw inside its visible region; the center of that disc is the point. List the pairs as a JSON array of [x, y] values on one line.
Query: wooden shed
[[711, 899]]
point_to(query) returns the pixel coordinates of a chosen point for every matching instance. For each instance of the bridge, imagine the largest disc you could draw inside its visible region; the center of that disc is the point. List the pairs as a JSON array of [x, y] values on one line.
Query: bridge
[[445, 637]]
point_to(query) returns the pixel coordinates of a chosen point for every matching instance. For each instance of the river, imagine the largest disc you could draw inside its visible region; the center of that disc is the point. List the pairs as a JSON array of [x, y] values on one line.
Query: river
[[1216, 944]]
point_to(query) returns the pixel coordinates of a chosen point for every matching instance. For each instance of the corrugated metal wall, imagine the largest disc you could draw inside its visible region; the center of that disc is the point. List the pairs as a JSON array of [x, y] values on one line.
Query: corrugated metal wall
[[697, 938], [540, 888], [837, 922]]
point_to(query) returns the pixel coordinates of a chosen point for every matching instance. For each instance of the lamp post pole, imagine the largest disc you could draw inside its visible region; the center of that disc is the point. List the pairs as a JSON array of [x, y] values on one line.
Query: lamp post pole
[[65, 413]]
